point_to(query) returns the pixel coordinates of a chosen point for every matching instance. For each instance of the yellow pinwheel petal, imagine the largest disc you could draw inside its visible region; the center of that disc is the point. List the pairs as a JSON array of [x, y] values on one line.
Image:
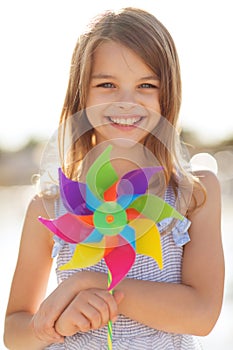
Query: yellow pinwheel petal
[[148, 239], [85, 255]]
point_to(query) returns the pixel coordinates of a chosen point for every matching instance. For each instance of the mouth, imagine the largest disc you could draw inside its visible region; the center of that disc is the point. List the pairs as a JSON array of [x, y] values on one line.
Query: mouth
[[126, 121]]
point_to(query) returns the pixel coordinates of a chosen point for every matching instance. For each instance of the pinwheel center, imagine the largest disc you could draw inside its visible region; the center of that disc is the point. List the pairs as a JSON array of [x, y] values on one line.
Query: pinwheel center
[[110, 218]]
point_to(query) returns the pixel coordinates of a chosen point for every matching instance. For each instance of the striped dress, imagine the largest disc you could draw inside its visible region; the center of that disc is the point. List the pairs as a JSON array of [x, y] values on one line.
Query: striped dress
[[129, 334]]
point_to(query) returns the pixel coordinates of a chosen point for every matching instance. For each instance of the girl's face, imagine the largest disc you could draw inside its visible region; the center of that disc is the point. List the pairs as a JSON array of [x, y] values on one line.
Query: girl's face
[[123, 95]]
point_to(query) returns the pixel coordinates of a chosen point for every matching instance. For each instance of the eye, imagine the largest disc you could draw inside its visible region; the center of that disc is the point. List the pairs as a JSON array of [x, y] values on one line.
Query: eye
[[106, 85], [148, 86]]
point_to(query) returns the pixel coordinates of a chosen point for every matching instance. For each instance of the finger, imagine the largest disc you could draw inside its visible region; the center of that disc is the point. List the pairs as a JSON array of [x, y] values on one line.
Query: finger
[[97, 310], [107, 299], [118, 296], [68, 324], [90, 306]]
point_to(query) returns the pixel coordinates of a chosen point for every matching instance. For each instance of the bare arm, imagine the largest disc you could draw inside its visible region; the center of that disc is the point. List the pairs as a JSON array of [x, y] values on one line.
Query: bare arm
[[29, 282]]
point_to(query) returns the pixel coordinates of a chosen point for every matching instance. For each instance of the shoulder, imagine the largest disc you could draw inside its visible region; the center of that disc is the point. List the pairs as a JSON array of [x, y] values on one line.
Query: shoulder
[[41, 206], [206, 189], [207, 197], [33, 229], [207, 178], [210, 186]]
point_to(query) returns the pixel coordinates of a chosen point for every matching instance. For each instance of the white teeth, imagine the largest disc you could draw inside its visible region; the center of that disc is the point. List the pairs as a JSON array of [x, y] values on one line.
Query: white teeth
[[126, 121]]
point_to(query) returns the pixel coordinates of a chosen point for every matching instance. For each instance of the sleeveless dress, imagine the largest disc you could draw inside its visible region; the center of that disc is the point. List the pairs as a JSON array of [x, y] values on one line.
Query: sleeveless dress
[[126, 333]]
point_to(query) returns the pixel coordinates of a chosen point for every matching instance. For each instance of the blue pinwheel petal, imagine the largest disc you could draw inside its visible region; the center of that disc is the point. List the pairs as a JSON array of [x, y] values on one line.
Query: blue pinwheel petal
[[128, 234], [73, 195], [92, 202], [95, 236], [126, 199], [136, 181]]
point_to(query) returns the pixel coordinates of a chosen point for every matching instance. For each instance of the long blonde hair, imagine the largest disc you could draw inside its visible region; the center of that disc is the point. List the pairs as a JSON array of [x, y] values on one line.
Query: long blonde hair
[[145, 35]]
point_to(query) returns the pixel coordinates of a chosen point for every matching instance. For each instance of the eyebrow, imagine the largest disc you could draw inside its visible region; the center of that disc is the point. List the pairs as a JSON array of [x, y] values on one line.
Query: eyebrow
[[150, 77], [102, 76], [108, 76]]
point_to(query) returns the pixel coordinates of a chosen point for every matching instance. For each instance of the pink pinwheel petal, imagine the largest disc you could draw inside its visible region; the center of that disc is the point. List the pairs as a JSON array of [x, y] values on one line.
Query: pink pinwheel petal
[[120, 261], [68, 227]]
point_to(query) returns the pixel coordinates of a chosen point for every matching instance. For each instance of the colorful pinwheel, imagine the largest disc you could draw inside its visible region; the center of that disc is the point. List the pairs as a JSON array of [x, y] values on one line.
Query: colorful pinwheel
[[110, 218]]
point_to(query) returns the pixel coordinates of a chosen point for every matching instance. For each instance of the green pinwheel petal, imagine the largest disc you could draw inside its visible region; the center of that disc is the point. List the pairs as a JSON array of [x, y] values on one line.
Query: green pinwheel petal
[[101, 174], [154, 208]]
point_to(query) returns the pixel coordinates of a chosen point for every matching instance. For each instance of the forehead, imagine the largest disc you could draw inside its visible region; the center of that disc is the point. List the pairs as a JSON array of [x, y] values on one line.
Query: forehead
[[113, 56]]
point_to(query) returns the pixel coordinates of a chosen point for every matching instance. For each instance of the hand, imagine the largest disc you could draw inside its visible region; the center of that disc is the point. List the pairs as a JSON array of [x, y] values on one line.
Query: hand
[[43, 322], [44, 330], [90, 309]]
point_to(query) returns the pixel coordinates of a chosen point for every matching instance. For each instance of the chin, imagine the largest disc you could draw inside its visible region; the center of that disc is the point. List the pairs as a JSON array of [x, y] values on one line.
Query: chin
[[123, 142]]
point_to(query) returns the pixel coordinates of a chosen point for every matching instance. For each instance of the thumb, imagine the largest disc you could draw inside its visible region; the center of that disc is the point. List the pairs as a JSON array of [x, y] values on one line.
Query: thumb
[[118, 296]]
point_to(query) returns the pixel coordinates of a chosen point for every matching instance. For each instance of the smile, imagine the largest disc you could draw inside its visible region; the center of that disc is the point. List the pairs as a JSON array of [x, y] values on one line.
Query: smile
[[130, 121]]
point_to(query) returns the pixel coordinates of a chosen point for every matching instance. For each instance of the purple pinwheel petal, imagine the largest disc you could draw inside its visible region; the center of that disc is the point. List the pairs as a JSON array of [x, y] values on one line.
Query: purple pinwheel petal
[[73, 194], [120, 261], [136, 181], [68, 227]]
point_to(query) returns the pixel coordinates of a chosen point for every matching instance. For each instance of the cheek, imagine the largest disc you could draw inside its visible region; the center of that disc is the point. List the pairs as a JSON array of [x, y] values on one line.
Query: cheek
[[90, 101], [152, 102], [96, 98], [155, 104], [95, 114]]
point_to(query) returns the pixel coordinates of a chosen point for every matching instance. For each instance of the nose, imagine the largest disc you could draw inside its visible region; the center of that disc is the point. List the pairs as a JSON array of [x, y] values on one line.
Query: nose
[[126, 100], [125, 106]]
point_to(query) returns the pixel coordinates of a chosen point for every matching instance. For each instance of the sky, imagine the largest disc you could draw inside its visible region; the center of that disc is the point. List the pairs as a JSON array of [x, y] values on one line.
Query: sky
[[37, 38]]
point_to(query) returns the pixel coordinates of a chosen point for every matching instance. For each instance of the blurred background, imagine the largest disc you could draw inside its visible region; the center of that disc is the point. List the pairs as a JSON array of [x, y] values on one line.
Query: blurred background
[[37, 39]]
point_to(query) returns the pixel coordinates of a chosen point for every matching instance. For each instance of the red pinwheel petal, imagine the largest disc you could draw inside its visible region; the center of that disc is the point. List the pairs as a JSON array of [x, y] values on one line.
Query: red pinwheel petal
[[111, 194], [68, 227], [120, 261], [132, 214]]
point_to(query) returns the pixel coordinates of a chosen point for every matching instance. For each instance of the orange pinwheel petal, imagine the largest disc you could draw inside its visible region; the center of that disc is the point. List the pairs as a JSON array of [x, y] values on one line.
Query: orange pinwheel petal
[[88, 219]]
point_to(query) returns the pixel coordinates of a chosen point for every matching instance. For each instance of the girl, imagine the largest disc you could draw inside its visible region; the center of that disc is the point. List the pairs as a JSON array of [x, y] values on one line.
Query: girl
[[125, 78]]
